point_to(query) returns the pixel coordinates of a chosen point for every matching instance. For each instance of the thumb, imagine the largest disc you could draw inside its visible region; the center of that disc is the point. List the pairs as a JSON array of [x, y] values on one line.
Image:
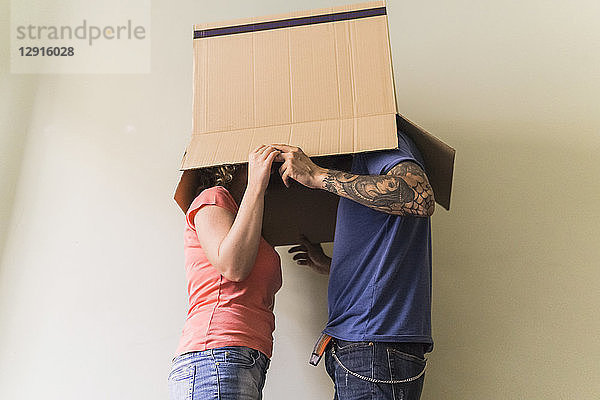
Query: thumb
[[285, 177]]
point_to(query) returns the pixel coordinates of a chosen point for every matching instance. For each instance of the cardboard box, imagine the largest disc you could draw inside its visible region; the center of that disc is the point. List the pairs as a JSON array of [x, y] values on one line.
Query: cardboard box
[[321, 80]]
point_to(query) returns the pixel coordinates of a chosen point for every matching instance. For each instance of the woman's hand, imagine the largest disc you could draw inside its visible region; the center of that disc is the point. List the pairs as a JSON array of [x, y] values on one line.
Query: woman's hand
[[259, 167], [311, 255]]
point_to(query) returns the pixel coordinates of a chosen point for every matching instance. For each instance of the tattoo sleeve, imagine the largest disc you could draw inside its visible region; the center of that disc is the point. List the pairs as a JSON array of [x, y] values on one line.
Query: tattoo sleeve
[[404, 190]]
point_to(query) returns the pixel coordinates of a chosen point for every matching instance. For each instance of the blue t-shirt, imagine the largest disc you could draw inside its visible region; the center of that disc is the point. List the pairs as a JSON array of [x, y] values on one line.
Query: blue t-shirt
[[380, 280]]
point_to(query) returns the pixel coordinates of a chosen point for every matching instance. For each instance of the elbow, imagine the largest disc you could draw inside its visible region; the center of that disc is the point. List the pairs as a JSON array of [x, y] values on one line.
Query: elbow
[[235, 272], [235, 277], [426, 208], [430, 208]]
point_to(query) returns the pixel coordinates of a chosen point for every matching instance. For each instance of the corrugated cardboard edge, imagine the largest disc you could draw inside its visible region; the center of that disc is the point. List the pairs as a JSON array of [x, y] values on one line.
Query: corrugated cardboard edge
[[353, 135]]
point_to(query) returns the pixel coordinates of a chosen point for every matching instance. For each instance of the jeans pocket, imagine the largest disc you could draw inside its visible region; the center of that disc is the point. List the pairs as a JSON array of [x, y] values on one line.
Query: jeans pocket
[[350, 364], [409, 368], [407, 361], [182, 372], [181, 382], [244, 357], [356, 356]]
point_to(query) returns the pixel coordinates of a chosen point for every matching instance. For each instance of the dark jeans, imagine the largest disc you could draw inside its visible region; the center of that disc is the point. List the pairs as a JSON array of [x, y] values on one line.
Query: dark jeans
[[378, 361]]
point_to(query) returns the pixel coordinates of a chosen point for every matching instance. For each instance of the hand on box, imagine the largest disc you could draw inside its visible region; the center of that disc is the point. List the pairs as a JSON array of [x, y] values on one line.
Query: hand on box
[[259, 167], [299, 166], [311, 255]]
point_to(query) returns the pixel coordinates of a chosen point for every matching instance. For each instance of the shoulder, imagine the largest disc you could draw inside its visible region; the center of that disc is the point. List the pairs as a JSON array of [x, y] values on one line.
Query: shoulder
[[407, 167], [212, 193], [381, 162], [215, 192], [213, 196]]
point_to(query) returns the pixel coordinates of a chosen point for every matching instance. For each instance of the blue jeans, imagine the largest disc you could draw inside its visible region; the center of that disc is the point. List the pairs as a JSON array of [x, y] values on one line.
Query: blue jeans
[[232, 372], [378, 361]]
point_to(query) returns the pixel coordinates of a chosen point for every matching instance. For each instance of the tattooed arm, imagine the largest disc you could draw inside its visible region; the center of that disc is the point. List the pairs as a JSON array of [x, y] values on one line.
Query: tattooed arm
[[404, 190]]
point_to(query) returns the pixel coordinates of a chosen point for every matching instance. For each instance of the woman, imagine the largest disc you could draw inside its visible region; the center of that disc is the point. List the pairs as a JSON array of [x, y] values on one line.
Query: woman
[[233, 275]]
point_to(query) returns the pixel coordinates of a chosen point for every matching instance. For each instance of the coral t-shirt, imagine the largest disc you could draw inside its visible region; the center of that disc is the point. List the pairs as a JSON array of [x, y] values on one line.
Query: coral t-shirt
[[223, 312]]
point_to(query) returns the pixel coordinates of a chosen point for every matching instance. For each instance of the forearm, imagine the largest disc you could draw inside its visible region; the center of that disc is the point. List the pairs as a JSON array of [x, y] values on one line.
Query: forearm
[[238, 250], [326, 264], [322, 263], [390, 194]]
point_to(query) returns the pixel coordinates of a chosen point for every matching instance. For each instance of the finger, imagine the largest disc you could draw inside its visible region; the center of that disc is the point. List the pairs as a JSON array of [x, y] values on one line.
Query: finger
[[271, 156], [284, 172], [285, 177], [285, 147], [264, 151], [258, 149], [297, 248], [281, 157], [300, 256], [309, 264]]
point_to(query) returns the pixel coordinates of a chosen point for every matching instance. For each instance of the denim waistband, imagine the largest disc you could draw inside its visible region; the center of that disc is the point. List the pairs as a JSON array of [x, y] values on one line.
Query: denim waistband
[[412, 348], [189, 357]]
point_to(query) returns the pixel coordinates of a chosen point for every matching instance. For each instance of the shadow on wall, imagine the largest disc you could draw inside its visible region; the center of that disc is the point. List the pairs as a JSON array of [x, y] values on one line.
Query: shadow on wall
[[515, 266], [17, 104]]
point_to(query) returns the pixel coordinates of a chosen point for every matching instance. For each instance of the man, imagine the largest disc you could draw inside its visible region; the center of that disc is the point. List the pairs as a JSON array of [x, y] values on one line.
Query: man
[[379, 294]]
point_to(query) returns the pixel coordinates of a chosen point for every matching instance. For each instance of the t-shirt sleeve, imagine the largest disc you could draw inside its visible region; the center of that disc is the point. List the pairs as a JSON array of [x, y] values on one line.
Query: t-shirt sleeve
[[381, 162], [214, 196]]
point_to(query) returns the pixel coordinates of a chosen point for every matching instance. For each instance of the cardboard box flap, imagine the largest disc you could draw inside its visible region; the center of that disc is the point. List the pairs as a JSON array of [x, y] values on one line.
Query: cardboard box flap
[[316, 138], [351, 136], [318, 71]]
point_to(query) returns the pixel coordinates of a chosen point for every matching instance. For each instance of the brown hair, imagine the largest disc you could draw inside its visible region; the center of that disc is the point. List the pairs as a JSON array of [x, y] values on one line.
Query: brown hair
[[220, 175]]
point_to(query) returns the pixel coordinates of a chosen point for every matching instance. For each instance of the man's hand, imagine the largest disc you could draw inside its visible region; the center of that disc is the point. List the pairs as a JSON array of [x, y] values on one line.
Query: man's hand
[[311, 255], [299, 166]]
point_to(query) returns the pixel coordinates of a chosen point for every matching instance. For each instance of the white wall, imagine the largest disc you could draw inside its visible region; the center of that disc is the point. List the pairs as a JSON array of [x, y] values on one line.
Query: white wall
[[92, 291]]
